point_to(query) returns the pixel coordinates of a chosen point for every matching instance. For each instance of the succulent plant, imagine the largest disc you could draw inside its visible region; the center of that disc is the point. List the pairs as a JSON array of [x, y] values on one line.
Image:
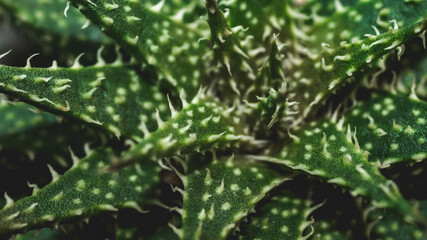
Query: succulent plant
[[250, 110]]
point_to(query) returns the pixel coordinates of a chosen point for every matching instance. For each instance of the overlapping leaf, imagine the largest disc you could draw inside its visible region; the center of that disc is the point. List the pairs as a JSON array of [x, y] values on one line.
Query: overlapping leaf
[[323, 149], [391, 226], [43, 234], [352, 21], [282, 217], [414, 73], [163, 233], [163, 41], [26, 130], [30, 140], [263, 19], [218, 197], [81, 192], [323, 230], [48, 17], [331, 68], [200, 126], [110, 96], [391, 127], [236, 72]]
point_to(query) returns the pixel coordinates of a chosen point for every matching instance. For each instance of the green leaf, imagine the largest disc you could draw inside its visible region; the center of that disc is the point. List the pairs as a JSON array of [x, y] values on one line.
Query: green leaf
[[153, 37], [271, 107], [350, 23], [48, 17], [163, 233], [81, 93], [332, 68], [391, 127], [236, 71], [201, 126], [324, 8], [390, 226], [282, 217], [17, 119], [413, 72], [43, 234], [81, 192], [126, 233], [29, 140], [323, 149], [324, 230], [218, 197], [270, 75], [19, 125], [262, 20]]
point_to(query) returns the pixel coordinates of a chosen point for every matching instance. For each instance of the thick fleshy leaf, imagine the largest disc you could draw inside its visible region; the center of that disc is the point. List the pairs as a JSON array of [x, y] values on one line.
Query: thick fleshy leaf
[[236, 72], [390, 226], [42, 234], [315, 78], [200, 126], [350, 23], [17, 119], [82, 93], [270, 75], [48, 17], [323, 230], [324, 8], [163, 233], [31, 132], [30, 140], [411, 72], [153, 37], [263, 19], [81, 192], [391, 127], [324, 149], [282, 217], [218, 197]]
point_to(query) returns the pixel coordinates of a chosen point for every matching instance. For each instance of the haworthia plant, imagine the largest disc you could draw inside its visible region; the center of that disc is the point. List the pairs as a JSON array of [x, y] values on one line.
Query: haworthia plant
[[223, 101]]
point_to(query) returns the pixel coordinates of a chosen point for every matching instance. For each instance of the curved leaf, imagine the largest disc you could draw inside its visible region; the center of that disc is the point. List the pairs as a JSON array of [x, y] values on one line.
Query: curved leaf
[[19, 125], [323, 149], [161, 40], [282, 217], [200, 126], [332, 68], [217, 198], [391, 127], [81, 192], [49, 17], [350, 23], [391, 226], [103, 95], [323, 230]]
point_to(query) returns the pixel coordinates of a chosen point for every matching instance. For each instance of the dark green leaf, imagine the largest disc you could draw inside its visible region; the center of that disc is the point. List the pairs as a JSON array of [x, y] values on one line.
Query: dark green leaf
[[81, 192], [218, 197], [82, 93]]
